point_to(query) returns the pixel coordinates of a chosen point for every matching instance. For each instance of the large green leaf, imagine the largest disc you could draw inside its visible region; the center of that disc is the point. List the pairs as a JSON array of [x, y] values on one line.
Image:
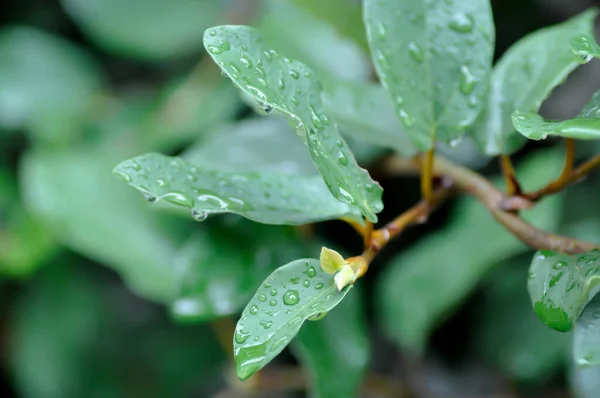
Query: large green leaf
[[344, 15], [524, 77], [148, 29], [206, 290], [586, 126], [289, 86], [86, 209], [434, 61], [423, 284], [530, 351], [293, 293], [363, 111], [262, 197], [335, 350], [586, 339], [48, 85], [560, 285], [259, 144], [321, 48]]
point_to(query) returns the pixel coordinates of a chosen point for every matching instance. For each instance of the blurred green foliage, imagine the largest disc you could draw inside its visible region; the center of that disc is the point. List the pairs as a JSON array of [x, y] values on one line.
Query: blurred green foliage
[[104, 295]]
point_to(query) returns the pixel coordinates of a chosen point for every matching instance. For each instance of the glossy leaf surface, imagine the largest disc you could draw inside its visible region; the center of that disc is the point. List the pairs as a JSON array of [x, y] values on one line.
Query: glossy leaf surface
[[585, 46], [267, 198], [291, 294], [434, 60], [147, 29], [427, 281], [290, 87], [560, 286], [524, 77], [586, 338], [335, 350], [363, 111]]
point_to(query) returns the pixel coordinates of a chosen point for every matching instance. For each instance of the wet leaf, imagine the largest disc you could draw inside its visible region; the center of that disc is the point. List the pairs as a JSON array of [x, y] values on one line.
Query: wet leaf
[[560, 286], [48, 85], [524, 77], [147, 29], [427, 281], [434, 62], [586, 126], [262, 197], [290, 87], [291, 294], [586, 339], [363, 111], [335, 350], [585, 47]]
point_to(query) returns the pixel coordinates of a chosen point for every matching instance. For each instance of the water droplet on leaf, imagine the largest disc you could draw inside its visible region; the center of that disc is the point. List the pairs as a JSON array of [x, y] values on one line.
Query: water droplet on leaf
[[291, 297]]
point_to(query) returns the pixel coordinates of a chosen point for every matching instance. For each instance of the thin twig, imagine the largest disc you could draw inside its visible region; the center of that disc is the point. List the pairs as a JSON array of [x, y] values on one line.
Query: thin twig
[[510, 178], [469, 181], [427, 175]]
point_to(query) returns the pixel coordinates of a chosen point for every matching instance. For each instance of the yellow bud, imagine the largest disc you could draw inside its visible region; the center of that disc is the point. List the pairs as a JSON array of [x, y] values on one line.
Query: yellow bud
[[331, 261], [345, 277]]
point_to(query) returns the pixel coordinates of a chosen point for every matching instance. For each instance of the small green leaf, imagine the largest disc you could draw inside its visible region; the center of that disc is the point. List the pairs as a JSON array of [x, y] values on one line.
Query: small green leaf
[[523, 78], [534, 127], [146, 29], [289, 86], [363, 111], [335, 350], [261, 197], [290, 295], [586, 126], [585, 47], [434, 62], [331, 261], [560, 286], [428, 280], [586, 339], [48, 85]]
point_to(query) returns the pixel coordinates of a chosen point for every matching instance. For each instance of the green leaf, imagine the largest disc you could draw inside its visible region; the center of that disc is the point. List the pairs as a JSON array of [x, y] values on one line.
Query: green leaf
[[293, 293], [426, 282], [257, 144], [146, 29], [586, 338], [531, 352], [321, 48], [345, 16], [586, 47], [48, 85], [206, 290], [524, 77], [560, 286], [434, 62], [86, 209], [335, 350], [363, 111], [261, 197], [586, 126], [289, 86]]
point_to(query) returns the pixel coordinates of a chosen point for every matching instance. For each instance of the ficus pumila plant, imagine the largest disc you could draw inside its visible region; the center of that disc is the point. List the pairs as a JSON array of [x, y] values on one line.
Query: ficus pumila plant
[[434, 60]]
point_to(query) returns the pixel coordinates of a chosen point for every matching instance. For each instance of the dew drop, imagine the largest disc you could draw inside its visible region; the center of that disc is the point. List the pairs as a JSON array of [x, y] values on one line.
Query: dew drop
[[306, 283], [199, 215], [294, 74], [342, 159], [272, 303], [311, 272], [266, 324], [468, 80], [415, 52], [295, 280], [559, 265], [462, 23], [254, 310], [267, 285], [262, 297], [212, 33], [150, 198], [319, 286], [241, 337], [405, 118], [291, 297], [246, 62], [266, 108], [273, 292]]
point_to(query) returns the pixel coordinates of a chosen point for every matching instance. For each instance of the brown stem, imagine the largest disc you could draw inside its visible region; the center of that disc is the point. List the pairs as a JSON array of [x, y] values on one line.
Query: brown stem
[[427, 176], [566, 178], [510, 178], [478, 186]]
